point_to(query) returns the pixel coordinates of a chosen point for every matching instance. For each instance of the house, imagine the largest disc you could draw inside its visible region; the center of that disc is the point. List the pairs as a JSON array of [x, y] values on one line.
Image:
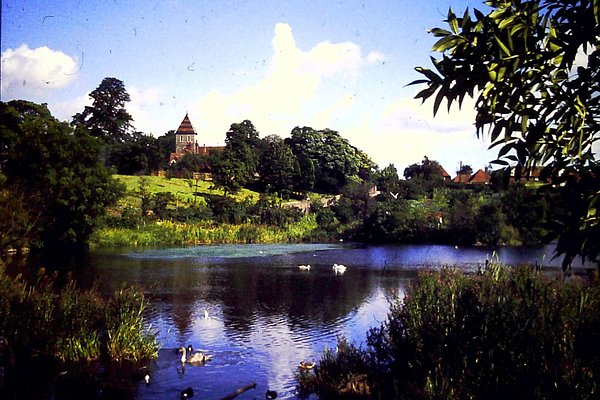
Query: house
[[186, 142], [481, 177], [445, 175]]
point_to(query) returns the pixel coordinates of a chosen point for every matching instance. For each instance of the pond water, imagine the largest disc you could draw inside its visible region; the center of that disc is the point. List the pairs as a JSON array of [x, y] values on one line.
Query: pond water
[[258, 314]]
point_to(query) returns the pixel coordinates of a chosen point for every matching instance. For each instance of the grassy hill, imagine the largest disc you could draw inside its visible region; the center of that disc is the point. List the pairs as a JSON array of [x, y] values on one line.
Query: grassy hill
[[182, 189]]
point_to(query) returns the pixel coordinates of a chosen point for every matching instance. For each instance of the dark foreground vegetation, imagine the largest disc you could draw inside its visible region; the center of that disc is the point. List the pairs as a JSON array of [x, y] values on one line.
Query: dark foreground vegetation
[[50, 325], [502, 333]]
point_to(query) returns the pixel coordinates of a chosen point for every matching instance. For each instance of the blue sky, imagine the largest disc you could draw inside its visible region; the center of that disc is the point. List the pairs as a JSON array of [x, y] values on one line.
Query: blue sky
[[342, 65]]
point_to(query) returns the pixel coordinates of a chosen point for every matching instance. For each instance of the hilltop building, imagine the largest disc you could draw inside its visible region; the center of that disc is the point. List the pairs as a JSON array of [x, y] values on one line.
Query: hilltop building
[[186, 142]]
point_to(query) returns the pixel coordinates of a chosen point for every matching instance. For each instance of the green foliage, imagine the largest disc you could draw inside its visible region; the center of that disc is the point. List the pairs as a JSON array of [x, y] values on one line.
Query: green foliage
[[190, 163], [127, 337], [427, 176], [334, 161], [203, 232], [505, 332], [538, 105], [277, 167], [107, 117], [236, 165], [54, 172], [71, 324]]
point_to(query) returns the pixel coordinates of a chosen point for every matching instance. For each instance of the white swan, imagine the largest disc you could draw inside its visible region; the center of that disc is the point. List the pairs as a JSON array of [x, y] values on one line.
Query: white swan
[[194, 358], [339, 268], [304, 267]]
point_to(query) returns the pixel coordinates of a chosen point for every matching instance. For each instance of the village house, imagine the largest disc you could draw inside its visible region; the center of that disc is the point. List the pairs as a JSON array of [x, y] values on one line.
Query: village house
[[481, 177]]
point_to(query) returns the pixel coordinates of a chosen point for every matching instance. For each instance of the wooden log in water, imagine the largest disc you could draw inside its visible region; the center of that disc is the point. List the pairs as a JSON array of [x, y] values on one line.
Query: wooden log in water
[[240, 391]]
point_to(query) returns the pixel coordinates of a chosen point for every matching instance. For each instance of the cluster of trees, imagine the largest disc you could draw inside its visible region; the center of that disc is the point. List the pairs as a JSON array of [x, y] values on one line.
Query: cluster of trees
[[308, 161], [126, 150], [53, 186], [539, 106]]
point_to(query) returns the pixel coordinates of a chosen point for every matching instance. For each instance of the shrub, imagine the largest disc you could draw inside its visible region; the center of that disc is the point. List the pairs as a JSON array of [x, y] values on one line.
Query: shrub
[[502, 333], [71, 324]]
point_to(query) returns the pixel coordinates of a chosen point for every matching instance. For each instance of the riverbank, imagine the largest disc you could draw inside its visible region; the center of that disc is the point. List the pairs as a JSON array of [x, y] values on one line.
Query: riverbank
[[159, 233]]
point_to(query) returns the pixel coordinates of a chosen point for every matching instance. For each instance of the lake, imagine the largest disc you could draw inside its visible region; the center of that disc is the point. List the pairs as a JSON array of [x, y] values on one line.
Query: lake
[[258, 314]]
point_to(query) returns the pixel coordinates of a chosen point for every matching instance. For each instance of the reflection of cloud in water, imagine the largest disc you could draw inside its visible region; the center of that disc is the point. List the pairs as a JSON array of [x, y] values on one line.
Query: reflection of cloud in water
[[208, 330]]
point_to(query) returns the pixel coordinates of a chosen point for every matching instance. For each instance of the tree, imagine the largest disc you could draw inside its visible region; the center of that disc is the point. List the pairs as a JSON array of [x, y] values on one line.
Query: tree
[[425, 177], [236, 165], [107, 117], [53, 171], [334, 160], [277, 166], [534, 67], [387, 179], [465, 169]]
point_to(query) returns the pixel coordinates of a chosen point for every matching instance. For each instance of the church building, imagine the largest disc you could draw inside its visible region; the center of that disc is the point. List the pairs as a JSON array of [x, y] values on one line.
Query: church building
[[186, 142]]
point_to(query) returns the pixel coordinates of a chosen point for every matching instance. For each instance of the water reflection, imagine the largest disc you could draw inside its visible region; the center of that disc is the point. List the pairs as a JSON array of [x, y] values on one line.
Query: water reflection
[[257, 313]]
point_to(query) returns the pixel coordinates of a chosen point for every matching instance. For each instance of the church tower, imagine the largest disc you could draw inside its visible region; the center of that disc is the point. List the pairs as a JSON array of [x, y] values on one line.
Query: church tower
[[185, 137]]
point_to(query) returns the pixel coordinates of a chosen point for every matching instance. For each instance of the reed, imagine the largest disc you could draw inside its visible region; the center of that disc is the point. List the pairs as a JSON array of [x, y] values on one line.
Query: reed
[[72, 325], [505, 332], [203, 232]]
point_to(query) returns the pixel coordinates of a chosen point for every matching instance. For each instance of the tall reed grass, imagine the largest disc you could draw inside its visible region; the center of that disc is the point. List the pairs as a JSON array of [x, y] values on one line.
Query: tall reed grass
[[503, 333], [73, 325], [178, 233]]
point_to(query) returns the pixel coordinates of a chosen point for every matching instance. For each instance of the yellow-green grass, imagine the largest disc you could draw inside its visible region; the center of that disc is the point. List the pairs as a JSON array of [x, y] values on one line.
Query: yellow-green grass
[[173, 233], [182, 189]]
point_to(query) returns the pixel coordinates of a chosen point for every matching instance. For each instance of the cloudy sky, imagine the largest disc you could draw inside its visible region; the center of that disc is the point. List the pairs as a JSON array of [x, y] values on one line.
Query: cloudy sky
[[342, 65]]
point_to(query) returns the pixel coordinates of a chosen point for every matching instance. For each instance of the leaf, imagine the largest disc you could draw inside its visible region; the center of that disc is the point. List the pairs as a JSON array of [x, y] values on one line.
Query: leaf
[[452, 21], [432, 76], [505, 49], [437, 32], [506, 22], [499, 162], [418, 82], [445, 43], [438, 100]]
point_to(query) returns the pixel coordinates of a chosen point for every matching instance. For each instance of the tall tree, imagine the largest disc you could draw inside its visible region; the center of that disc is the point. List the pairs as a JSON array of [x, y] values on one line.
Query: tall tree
[[236, 165], [534, 67], [277, 166], [54, 173], [335, 161], [107, 117]]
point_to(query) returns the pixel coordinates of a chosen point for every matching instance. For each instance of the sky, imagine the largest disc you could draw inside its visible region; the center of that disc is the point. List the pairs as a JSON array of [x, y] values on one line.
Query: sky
[[341, 65]]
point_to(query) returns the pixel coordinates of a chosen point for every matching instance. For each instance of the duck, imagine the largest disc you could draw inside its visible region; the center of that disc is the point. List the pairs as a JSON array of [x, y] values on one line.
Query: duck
[[187, 393], [194, 358], [271, 394], [306, 365], [339, 268], [304, 267]]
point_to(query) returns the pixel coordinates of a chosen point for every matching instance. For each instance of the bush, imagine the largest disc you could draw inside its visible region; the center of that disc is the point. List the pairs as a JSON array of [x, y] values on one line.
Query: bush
[[70, 324], [499, 334]]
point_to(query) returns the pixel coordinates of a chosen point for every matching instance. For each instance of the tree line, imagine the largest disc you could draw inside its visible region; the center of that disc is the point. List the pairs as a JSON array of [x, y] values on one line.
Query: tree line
[[540, 108]]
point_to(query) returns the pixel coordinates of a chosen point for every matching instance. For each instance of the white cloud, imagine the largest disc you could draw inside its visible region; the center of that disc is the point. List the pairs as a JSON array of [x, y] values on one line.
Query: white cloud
[[28, 73], [279, 101], [143, 108], [375, 56], [65, 110], [406, 131], [295, 91]]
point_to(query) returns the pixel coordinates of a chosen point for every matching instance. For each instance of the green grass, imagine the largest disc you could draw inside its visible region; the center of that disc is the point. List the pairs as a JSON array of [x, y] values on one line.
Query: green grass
[[73, 325], [173, 233], [179, 187]]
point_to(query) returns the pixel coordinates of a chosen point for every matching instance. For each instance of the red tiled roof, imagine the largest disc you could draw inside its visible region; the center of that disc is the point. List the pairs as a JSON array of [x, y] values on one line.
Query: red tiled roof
[[462, 178], [185, 128], [480, 177], [443, 172]]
